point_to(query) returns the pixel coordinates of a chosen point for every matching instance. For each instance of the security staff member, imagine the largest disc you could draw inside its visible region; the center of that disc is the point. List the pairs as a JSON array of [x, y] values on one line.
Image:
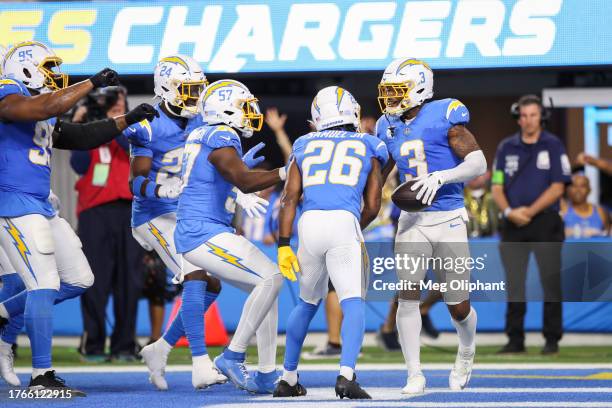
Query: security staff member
[[530, 173]]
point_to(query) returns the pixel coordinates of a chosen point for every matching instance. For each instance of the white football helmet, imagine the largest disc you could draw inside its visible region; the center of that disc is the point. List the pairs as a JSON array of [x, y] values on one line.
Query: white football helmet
[[179, 81], [334, 106], [406, 83], [230, 102], [36, 65]]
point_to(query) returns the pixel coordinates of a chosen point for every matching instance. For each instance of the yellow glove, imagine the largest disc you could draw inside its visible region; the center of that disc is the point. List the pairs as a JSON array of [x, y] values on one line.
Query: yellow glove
[[287, 263]]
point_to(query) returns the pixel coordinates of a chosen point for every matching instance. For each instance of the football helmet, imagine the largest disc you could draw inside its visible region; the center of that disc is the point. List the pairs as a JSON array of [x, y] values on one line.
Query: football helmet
[[334, 106], [36, 65], [230, 102], [405, 84], [179, 81]]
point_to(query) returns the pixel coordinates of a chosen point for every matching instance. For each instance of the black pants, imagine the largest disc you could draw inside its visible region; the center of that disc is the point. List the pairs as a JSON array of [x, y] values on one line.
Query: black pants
[[544, 237], [116, 261]]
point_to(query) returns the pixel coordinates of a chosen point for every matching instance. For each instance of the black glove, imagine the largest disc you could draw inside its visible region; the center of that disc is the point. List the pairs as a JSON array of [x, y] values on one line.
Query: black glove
[[106, 77], [141, 112]]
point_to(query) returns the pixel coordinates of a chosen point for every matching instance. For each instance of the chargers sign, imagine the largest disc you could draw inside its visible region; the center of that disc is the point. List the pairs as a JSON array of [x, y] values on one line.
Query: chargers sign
[[277, 35]]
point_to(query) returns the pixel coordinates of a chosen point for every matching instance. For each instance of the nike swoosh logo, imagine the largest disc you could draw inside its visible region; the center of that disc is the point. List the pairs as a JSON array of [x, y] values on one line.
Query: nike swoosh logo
[[464, 114], [224, 137], [454, 225], [132, 130]]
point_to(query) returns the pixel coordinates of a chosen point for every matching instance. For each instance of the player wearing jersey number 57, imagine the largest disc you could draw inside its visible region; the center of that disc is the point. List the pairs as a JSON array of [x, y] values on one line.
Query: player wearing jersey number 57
[[429, 141], [333, 168], [41, 246], [212, 168]]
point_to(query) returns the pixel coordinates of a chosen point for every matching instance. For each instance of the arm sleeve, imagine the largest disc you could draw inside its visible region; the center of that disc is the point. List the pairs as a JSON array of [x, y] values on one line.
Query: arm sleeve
[[457, 113], [84, 136], [560, 167]]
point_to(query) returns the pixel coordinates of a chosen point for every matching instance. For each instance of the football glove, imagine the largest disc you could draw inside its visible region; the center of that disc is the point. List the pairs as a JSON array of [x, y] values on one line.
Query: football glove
[[252, 204], [288, 263], [170, 190], [249, 157], [428, 186]]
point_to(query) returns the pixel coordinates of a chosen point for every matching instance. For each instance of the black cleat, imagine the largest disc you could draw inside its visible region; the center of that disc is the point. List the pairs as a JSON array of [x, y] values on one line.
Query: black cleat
[[550, 348], [50, 381], [350, 389], [283, 389]]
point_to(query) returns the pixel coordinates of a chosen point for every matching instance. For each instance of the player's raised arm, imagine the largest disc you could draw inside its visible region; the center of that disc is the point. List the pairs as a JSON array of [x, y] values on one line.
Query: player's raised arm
[[227, 161], [85, 136], [19, 107], [372, 194]]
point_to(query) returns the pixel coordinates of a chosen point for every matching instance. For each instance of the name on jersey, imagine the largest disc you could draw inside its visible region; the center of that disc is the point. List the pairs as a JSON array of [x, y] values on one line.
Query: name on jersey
[[278, 35], [335, 134]]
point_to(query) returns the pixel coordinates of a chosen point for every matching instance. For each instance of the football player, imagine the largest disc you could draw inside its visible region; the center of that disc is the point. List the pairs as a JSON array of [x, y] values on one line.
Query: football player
[[212, 166], [156, 151], [429, 141], [40, 245], [333, 168]]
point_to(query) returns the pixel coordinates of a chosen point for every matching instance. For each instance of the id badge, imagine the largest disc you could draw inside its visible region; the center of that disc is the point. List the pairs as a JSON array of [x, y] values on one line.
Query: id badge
[[100, 174]]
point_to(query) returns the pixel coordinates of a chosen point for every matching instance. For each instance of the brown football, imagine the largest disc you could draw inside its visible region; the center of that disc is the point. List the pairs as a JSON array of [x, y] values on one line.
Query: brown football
[[405, 198]]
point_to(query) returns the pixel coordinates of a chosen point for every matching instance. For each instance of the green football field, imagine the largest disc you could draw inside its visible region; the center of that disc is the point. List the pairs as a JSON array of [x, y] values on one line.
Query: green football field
[[68, 356]]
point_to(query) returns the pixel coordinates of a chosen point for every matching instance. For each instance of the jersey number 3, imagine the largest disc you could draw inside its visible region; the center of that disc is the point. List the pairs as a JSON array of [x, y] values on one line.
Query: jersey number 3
[[337, 154]]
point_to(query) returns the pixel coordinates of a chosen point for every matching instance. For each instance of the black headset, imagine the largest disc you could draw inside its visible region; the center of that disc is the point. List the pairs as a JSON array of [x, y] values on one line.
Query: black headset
[[515, 108]]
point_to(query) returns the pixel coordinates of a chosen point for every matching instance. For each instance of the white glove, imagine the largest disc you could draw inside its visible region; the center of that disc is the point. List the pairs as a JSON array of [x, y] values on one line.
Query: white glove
[[170, 190], [254, 205], [428, 185]]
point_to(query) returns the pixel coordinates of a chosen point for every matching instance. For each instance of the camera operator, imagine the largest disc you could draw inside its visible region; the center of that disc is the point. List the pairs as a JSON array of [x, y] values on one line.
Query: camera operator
[[104, 214]]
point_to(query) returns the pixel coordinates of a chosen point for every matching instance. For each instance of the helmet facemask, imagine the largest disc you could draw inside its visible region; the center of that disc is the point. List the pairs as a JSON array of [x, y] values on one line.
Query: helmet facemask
[[394, 98], [54, 78], [188, 94]]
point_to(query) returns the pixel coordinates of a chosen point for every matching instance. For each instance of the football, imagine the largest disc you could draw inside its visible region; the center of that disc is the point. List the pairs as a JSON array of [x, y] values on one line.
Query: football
[[406, 199]]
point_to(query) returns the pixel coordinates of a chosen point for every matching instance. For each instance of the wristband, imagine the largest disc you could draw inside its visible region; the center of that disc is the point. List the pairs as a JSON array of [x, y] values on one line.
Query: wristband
[[283, 241], [507, 211], [149, 188], [282, 173]]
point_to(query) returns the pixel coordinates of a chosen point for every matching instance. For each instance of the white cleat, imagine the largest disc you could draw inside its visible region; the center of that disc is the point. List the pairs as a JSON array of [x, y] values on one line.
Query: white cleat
[[205, 373], [156, 359], [415, 384], [462, 370], [7, 369]]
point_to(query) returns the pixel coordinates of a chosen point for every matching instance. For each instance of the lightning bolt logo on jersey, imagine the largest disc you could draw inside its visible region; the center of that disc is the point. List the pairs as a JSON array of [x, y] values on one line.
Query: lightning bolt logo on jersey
[[162, 140], [25, 161], [335, 165], [421, 146], [207, 203]]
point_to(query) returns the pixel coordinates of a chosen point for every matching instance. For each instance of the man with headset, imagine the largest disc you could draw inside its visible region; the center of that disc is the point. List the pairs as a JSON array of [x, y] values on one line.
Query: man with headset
[[530, 172]]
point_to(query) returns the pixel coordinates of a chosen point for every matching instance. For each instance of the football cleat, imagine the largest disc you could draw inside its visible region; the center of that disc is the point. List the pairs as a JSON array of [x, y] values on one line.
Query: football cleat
[[462, 370], [205, 374], [263, 383], [50, 381], [283, 389], [234, 370], [7, 369], [155, 360], [350, 389], [415, 384]]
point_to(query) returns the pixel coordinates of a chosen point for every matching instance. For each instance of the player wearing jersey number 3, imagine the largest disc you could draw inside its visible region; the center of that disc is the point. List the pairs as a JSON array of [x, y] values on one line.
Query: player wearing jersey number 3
[[428, 140], [333, 168]]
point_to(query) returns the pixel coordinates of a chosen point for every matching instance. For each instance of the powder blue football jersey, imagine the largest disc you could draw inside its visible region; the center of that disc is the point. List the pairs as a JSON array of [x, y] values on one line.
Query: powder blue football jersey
[[163, 140], [421, 146], [335, 165], [207, 203], [25, 161]]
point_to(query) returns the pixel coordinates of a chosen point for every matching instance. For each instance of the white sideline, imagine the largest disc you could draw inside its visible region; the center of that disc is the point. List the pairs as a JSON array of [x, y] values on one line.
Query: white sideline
[[103, 368]]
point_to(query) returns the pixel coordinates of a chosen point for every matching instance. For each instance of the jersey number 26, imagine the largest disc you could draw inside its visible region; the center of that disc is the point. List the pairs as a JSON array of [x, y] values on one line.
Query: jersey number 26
[[337, 154]]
